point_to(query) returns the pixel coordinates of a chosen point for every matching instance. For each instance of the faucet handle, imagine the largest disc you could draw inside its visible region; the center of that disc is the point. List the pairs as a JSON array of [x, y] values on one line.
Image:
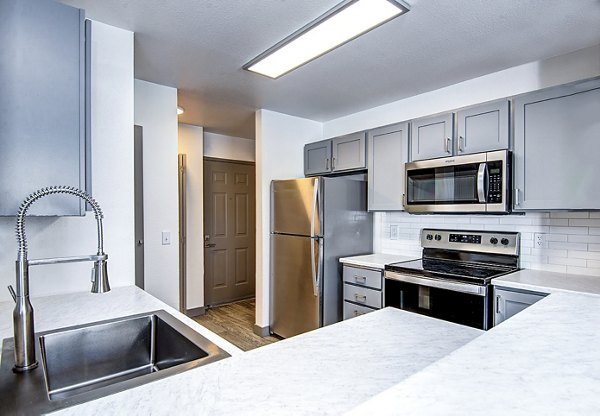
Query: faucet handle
[[12, 292]]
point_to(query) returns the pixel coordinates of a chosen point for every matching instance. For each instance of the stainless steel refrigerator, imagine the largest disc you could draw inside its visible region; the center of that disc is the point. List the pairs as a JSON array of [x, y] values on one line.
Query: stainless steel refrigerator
[[314, 222]]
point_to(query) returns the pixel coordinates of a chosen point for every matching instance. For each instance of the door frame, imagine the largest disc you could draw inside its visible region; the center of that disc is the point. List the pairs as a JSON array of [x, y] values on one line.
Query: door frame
[[204, 223]]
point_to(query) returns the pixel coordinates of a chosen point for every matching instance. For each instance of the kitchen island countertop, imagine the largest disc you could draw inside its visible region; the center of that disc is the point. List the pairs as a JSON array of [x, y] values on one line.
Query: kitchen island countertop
[[326, 371]]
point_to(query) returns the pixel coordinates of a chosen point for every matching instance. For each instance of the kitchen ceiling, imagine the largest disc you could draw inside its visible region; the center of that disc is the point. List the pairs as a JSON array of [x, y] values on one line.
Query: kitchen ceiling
[[200, 47]]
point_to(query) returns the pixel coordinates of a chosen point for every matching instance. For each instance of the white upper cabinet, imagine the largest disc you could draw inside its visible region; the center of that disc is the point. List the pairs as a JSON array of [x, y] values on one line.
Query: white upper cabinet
[[388, 151], [432, 137], [483, 128], [557, 148]]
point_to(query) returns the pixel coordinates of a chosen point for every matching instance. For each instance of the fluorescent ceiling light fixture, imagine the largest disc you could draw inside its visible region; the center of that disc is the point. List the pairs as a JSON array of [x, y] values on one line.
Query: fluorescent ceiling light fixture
[[180, 110], [339, 25]]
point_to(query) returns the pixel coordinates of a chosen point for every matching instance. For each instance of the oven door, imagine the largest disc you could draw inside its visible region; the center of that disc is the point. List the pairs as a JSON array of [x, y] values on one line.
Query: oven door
[[462, 303]]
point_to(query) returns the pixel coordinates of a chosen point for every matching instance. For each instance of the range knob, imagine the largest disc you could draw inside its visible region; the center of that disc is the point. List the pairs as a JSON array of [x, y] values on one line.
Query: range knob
[[504, 241], [438, 237], [494, 240], [430, 237]]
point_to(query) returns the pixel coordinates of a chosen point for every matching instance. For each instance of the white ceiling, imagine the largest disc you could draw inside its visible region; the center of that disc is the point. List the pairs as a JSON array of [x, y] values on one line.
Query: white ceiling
[[199, 46]]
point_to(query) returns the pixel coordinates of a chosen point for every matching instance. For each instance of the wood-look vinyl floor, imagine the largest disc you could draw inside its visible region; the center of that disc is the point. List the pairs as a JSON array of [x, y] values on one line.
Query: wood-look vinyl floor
[[235, 322]]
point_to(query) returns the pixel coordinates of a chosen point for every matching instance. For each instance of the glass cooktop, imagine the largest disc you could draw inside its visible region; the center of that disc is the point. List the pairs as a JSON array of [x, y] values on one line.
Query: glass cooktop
[[447, 269]]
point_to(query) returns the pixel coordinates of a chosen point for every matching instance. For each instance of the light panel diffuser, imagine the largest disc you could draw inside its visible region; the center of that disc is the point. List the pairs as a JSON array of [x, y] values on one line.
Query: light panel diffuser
[[338, 26]]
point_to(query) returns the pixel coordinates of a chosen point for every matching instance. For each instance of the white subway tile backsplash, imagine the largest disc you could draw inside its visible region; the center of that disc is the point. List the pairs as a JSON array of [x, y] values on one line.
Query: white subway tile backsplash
[[584, 223], [573, 237], [568, 230], [567, 246], [568, 261], [575, 214]]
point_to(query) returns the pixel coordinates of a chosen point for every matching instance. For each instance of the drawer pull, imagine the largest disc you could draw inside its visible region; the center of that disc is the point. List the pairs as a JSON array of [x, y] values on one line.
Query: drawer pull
[[356, 313], [360, 298], [360, 279]]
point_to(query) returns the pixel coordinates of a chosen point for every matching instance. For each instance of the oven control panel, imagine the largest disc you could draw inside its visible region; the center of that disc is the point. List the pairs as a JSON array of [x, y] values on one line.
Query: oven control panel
[[501, 242]]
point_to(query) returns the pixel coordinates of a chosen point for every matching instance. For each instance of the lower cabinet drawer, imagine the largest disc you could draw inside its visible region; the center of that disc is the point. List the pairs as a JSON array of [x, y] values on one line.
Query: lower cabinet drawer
[[362, 296], [351, 310], [363, 277]]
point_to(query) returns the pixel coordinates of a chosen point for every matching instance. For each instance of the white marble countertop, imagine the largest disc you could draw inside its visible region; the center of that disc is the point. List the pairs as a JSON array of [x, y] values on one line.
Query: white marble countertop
[[327, 371], [544, 360], [376, 261], [549, 282]]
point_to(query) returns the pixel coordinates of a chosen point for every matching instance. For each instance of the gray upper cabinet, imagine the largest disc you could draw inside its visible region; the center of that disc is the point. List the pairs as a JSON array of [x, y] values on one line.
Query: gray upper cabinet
[[340, 154], [348, 152], [557, 148], [432, 137], [42, 104], [388, 151], [317, 158], [510, 302], [483, 128]]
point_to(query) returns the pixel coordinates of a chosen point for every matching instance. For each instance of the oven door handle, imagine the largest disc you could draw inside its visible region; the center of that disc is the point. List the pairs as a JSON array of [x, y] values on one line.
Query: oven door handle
[[438, 283], [481, 174]]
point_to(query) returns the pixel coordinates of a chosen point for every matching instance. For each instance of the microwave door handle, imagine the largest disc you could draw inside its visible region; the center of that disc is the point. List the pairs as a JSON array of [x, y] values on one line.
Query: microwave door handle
[[481, 175]]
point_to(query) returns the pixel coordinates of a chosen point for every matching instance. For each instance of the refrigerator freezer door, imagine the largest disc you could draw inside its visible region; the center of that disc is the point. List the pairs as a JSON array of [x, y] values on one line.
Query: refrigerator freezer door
[[294, 307], [295, 207]]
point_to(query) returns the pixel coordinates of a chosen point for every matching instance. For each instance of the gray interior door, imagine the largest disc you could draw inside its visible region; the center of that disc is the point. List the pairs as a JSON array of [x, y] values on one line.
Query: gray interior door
[[229, 231], [138, 191]]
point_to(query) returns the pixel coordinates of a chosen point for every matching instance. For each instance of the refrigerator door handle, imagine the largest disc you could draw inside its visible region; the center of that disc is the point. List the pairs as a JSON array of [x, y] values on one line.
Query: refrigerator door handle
[[316, 271], [315, 207]]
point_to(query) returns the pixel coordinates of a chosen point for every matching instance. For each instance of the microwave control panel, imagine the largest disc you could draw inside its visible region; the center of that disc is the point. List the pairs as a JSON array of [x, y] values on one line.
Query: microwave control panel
[[494, 183]]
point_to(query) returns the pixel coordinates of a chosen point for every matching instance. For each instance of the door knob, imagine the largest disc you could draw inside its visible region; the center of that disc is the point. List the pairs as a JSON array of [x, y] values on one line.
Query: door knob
[[208, 245], [140, 242]]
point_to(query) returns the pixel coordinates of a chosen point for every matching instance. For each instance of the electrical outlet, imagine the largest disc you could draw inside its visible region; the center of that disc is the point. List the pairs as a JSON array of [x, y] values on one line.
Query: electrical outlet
[[539, 240], [166, 238], [393, 232]]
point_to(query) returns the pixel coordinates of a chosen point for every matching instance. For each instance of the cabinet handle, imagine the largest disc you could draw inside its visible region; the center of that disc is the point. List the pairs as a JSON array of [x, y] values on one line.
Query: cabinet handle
[[447, 144], [356, 312], [517, 196], [497, 303], [332, 163], [360, 298], [327, 164], [461, 144], [360, 279]]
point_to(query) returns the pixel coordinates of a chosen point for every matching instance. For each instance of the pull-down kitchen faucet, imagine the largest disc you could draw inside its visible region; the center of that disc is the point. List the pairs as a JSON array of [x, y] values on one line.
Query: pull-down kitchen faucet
[[23, 313]]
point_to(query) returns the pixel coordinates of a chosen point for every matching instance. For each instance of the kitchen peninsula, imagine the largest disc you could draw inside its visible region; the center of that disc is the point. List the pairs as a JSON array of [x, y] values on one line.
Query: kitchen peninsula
[[534, 361]]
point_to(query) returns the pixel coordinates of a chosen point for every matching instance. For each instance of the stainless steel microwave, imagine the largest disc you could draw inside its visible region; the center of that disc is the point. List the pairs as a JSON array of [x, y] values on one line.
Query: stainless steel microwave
[[477, 183]]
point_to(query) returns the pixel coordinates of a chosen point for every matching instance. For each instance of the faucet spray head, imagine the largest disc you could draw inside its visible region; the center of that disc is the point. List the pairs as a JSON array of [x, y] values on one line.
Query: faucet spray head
[[100, 277]]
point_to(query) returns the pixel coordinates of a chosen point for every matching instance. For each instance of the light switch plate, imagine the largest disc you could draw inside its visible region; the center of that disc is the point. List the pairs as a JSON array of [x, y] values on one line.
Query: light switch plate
[[394, 232], [166, 238]]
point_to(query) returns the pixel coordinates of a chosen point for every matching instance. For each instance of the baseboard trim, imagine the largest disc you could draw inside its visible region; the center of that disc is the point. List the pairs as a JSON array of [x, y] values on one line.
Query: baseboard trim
[[261, 331], [196, 311]]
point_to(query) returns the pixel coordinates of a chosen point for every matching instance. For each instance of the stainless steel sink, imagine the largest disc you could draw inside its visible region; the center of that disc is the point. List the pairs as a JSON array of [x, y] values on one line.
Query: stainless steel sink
[[90, 361]]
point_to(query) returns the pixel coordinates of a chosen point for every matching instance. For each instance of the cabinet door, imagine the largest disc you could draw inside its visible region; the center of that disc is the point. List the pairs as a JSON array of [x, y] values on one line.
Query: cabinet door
[[431, 137], [388, 150], [509, 302], [557, 148], [317, 158], [42, 119], [348, 152], [483, 128]]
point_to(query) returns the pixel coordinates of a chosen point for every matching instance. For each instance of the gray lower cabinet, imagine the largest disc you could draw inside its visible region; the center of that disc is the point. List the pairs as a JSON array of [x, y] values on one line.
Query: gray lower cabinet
[[42, 104], [557, 148], [388, 152], [509, 302], [340, 154], [483, 128], [432, 137], [362, 290]]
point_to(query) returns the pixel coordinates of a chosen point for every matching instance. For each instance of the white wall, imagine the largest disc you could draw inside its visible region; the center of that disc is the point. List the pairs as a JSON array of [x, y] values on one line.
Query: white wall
[[156, 111], [228, 147], [112, 183], [191, 144], [573, 238], [584, 63], [280, 141]]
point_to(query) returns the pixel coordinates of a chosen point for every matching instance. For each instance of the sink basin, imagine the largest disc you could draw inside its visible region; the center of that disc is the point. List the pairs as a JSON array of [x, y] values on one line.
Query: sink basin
[[90, 361]]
